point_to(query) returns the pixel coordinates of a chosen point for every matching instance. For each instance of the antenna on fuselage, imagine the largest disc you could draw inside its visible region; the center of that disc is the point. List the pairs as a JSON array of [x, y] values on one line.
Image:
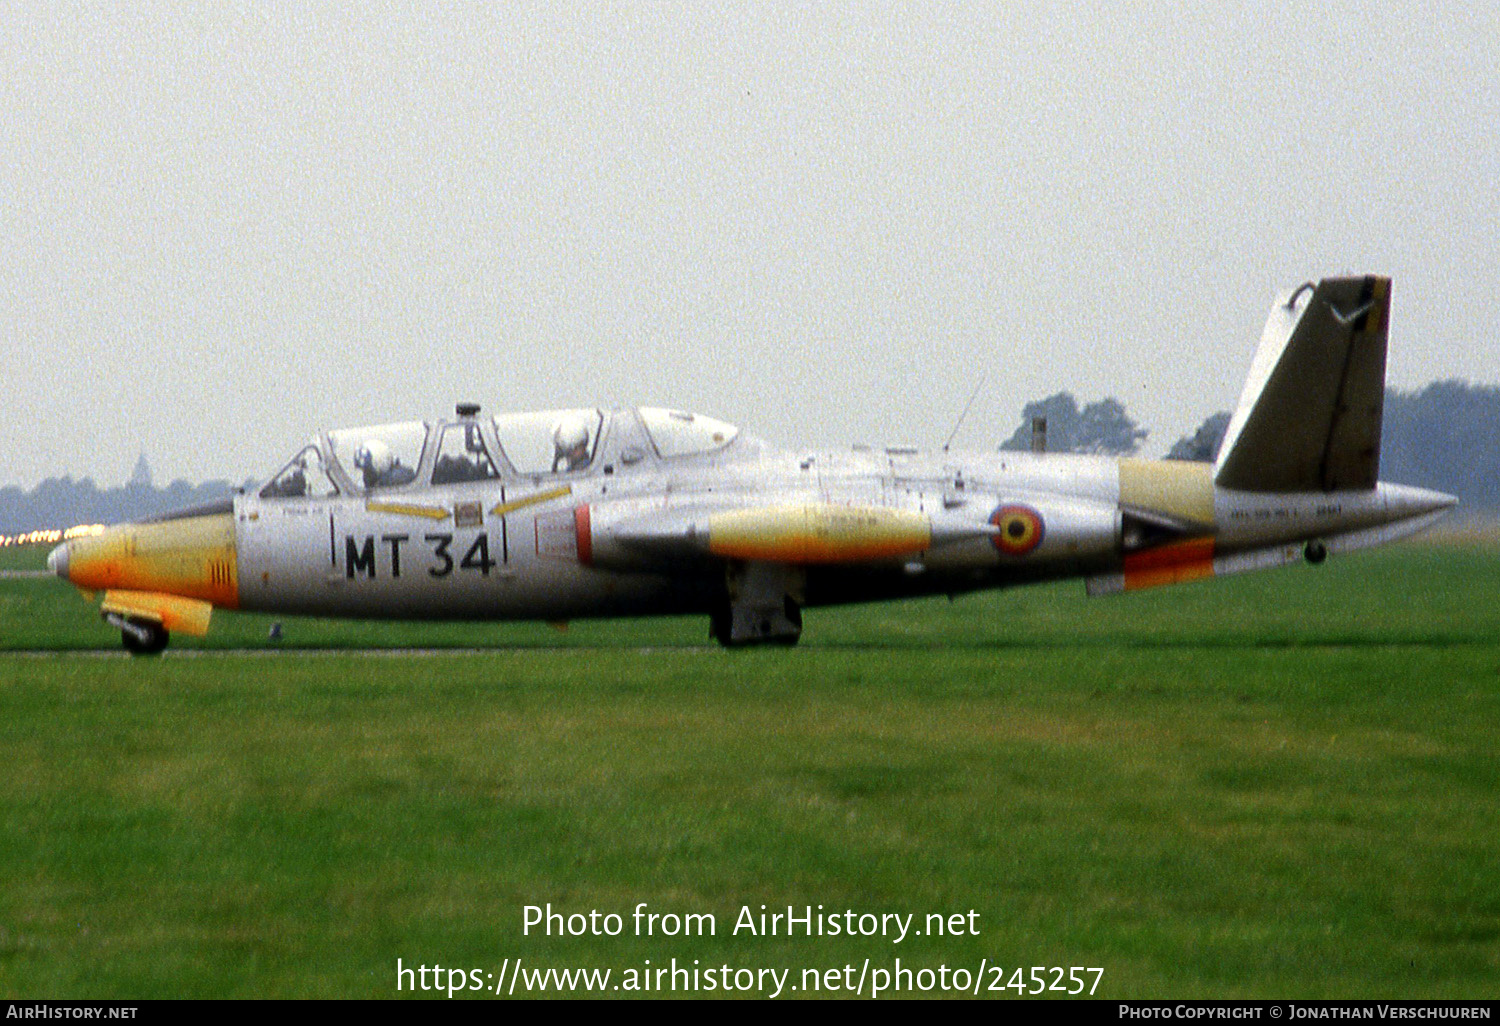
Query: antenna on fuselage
[[972, 396]]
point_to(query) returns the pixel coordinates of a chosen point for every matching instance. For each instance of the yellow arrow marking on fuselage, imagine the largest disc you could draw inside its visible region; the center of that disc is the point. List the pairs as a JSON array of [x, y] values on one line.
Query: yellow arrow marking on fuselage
[[408, 510], [531, 500]]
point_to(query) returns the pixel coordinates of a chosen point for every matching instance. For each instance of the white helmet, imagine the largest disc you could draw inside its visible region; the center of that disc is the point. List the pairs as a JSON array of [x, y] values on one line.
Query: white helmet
[[571, 432], [374, 457]]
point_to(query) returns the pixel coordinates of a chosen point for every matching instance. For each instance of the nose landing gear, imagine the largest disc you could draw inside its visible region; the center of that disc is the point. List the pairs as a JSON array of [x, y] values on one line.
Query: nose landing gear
[[140, 637]]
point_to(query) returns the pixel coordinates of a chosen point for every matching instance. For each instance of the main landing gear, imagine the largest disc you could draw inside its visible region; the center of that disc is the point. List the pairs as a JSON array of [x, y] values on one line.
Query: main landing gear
[[740, 627], [761, 605]]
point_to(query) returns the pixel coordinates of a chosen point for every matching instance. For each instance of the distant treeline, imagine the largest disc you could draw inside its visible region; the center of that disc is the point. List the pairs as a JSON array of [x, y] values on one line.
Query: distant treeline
[[63, 502], [1444, 436]]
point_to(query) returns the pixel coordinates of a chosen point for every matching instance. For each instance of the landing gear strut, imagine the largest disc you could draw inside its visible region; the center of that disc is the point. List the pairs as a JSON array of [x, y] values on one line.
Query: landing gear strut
[[762, 605], [755, 626]]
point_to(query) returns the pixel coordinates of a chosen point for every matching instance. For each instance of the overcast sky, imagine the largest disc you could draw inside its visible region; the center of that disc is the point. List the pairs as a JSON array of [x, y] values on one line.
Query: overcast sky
[[225, 226]]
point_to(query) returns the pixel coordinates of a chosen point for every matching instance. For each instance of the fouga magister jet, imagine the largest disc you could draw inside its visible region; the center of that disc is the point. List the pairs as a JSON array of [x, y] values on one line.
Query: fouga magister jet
[[630, 512]]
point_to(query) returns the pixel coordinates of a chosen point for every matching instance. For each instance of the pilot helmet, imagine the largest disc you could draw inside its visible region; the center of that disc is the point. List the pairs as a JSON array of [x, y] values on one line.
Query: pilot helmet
[[571, 434], [374, 456]]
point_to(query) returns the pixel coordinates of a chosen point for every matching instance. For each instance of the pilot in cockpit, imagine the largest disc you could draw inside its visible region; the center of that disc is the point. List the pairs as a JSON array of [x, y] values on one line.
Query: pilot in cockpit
[[379, 465], [570, 443]]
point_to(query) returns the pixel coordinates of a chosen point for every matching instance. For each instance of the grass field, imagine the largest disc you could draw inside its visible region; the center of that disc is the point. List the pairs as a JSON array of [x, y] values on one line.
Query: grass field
[[1284, 784]]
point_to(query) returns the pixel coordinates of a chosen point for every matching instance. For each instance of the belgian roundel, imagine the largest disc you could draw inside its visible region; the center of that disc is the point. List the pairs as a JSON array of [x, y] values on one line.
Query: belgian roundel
[[1021, 529]]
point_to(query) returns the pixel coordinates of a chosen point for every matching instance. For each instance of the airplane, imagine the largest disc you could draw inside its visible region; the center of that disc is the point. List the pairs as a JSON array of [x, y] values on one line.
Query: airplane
[[577, 513]]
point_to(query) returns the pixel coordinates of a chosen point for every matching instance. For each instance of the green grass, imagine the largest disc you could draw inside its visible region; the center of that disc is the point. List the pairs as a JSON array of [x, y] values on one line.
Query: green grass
[[1283, 784], [24, 557]]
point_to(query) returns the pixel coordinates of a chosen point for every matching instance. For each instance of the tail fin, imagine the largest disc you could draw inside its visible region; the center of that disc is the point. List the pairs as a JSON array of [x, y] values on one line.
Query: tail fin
[[1309, 417]]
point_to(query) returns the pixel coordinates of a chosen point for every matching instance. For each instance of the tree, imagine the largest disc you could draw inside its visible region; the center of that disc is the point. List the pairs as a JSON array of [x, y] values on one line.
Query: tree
[[1102, 427], [63, 502], [1061, 413], [1445, 436], [1204, 444], [1105, 429]]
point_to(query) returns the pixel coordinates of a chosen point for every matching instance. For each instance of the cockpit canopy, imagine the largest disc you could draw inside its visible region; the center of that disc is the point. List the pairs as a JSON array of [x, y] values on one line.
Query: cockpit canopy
[[380, 457], [549, 442], [303, 478], [675, 433], [470, 449]]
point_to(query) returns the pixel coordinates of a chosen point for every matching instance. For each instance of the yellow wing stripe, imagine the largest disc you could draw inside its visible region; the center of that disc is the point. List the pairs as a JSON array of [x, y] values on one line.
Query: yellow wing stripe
[[531, 500], [408, 510]]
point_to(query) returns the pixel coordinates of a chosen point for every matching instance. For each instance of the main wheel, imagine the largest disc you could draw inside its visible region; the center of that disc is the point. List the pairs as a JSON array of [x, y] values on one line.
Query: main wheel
[[153, 644]]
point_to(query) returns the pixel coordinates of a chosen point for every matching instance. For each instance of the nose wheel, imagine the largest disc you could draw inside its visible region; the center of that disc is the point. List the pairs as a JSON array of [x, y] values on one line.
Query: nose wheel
[[140, 637]]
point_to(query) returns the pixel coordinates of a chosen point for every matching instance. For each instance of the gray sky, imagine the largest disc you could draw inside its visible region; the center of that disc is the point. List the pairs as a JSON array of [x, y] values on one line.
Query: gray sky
[[227, 226]]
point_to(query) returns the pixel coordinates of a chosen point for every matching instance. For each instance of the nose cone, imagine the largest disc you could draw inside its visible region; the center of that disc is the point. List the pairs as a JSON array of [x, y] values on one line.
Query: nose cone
[[191, 557], [57, 561]]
